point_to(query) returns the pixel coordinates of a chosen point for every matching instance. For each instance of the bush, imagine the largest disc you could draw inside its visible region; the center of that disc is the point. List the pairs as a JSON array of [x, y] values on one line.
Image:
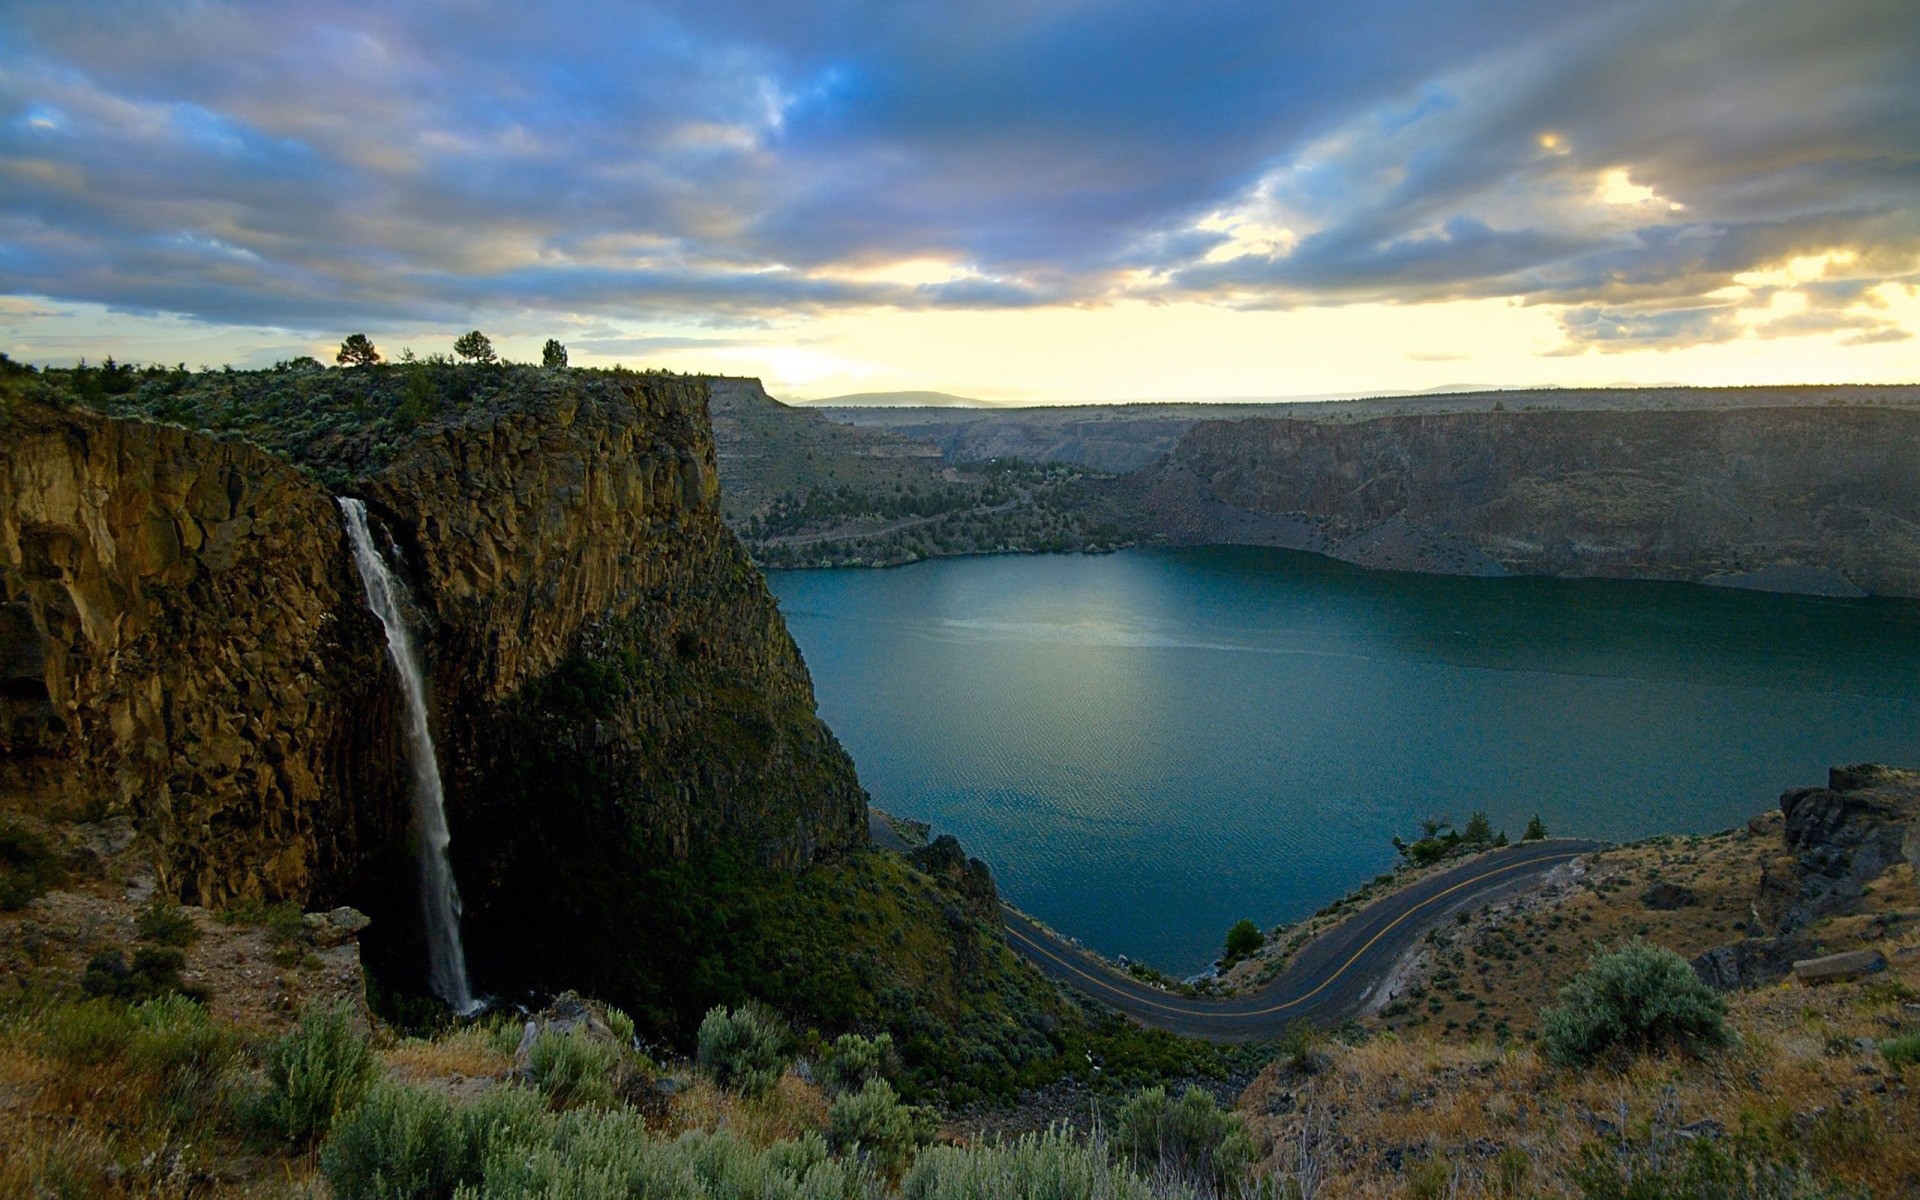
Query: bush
[[168, 925], [743, 1049], [1536, 830], [1191, 1141], [872, 1124], [1638, 997], [1903, 1051], [1243, 939], [28, 866], [401, 1143], [574, 1068], [1053, 1166], [155, 971], [186, 1053], [316, 1072], [856, 1060], [90, 1033]]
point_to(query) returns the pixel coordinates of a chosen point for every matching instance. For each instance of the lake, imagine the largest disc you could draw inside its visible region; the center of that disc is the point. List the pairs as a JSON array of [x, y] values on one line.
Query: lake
[[1148, 746]]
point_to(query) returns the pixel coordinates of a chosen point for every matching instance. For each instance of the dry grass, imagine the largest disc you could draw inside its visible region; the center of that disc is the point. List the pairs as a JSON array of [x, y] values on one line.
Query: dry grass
[[1493, 974], [1805, 1075], [469, 1052], [794, 1107]]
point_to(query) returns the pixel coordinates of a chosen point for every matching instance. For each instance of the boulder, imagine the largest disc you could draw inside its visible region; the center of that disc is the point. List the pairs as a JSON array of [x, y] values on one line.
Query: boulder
[[1838, 968], [1666, 897]]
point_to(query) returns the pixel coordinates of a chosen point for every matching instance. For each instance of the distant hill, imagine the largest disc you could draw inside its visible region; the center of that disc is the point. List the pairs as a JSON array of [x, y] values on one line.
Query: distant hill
[[899, 400]]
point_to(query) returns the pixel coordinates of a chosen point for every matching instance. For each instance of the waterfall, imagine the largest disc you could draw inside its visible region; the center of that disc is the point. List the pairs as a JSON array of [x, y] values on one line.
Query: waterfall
[[439, 898]]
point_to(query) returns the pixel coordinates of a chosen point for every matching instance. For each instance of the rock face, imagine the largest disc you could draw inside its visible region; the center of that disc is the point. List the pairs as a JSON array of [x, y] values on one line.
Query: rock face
[[1805, 499], [185, 639], [183, 644], [1843, 836]]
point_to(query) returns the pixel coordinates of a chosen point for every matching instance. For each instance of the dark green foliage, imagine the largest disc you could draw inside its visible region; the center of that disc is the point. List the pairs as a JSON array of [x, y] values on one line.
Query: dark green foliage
[[1636, 998], [1243, 939], [1536, 829], [314, 1073], [154, 971], [167, 925], [744, 1049], [402, 1143], [1479, 830], [475, 347], [28, 866], [574, 1068], [553, 356], [357, 351], [856, 1061], [1191, 1141], [872, 1124]]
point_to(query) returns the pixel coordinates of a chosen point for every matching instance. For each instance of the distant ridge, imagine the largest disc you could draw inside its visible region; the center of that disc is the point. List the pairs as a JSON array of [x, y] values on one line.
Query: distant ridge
[[899, 400]]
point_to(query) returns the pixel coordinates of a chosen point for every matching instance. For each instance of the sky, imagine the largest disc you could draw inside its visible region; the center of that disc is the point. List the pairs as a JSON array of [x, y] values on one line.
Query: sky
[[1020, 200]]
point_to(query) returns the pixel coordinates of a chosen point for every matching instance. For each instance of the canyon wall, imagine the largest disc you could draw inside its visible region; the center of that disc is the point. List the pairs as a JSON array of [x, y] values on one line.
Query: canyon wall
[[183, 644], [186, 642], [1795, 499]]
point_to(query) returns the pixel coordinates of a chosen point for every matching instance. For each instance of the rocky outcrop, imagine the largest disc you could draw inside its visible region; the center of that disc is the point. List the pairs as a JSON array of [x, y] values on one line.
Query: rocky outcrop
[[183, 644], [1843, 837], [612, 686], [1808, 499], [1847, 834]]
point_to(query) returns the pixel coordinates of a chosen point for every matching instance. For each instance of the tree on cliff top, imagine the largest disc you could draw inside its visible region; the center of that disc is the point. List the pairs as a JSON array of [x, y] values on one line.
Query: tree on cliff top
[[357, 351], [553, 356], [475, 347]]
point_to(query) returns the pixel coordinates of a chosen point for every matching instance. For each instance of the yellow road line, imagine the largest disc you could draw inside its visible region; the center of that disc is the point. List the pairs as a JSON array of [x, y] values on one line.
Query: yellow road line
[[1112, 985]]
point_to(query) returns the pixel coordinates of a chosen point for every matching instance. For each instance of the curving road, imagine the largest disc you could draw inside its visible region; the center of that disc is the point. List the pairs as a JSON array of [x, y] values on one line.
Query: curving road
[[1331, 978]]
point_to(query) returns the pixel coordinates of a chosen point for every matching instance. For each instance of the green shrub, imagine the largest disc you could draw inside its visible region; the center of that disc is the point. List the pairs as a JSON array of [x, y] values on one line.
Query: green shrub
[[90, 1032], [1639, 997], [155, 971], [622, 1026], [168, 925], [587, 1155], [1536, 830], [855, 1060], [28, 866], [1052, 1166], [177, 1043], [743, 1049], [1243, 939], [1192, 1140], [1903, 1051], [404, 1143], [872, 1124], [573, 1068], [318, 1070]]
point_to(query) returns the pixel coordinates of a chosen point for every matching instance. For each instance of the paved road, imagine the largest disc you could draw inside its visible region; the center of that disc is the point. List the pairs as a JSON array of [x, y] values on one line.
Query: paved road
[[1330, 979]]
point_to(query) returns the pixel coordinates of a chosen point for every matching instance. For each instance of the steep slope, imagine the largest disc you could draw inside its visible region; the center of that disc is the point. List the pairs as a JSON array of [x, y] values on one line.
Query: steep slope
[[1814, 499], [183, 644], [187, 643]]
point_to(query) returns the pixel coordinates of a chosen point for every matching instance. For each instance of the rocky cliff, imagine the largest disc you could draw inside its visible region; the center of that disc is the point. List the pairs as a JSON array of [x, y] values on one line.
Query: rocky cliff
[[181, 641], [1812, 499], [185, 640]]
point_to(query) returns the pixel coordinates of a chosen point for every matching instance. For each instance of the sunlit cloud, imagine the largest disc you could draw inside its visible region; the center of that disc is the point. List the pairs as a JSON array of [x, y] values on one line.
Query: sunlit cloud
[[1634, 178]]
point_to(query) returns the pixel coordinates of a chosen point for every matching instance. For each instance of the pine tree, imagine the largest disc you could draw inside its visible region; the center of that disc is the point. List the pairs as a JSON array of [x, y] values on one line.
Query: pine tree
[[553, 356], [475, 347], [357, 351]]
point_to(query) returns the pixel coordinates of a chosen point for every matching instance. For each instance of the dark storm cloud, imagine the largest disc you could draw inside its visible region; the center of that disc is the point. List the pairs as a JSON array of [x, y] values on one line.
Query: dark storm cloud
[[280, 163]]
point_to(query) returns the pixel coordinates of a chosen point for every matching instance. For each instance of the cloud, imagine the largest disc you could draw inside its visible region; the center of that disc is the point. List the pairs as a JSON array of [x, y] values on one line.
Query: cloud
[[315, 167]]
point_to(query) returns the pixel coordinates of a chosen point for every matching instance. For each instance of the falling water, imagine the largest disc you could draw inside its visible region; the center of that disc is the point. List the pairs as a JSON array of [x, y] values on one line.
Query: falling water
[[447, 965]]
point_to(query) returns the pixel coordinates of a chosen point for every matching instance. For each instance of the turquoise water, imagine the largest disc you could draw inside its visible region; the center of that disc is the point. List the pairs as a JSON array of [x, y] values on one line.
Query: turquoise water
[[1148, 746]]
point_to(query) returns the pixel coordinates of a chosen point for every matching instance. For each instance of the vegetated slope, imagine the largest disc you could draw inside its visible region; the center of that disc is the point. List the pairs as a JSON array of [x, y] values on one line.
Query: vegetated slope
[[641, 797], [1817, 499], [1457, 1089], [802, 491]]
